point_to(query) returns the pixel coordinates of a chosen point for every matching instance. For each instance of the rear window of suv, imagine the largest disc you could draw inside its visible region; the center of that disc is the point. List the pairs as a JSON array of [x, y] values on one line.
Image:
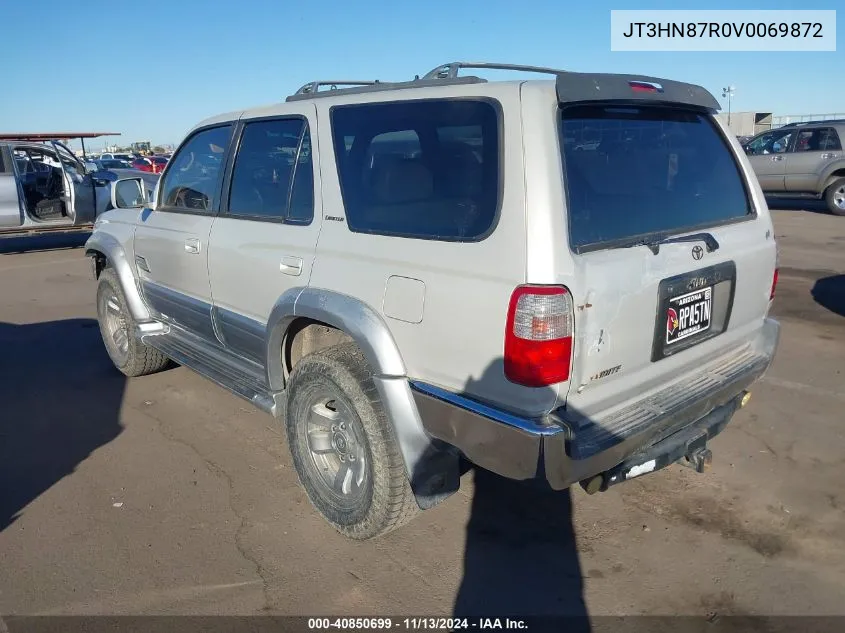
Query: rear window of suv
[[635, 172]]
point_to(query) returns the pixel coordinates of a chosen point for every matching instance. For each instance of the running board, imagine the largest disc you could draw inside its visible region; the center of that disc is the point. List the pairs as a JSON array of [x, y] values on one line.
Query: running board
[[242, 377]]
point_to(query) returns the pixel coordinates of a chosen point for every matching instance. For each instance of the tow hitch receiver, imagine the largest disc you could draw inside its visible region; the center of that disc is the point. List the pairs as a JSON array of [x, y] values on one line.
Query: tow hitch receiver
[[699, 460], [687, 446]]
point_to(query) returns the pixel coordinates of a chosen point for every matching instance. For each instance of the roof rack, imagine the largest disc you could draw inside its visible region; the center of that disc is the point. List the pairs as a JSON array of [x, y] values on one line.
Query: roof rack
[[311, 90], [450, 70], [314, 86]]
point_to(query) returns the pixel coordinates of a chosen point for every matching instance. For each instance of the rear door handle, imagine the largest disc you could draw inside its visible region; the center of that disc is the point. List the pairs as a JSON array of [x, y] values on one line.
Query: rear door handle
[[776, 158], [192, 245], [291, 266]]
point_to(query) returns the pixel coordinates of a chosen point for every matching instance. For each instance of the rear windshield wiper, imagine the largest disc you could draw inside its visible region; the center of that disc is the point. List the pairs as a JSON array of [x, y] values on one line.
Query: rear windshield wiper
[[710, 242]]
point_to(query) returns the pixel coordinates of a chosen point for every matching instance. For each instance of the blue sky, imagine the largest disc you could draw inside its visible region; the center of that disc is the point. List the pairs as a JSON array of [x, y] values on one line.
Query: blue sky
[[153, 69]]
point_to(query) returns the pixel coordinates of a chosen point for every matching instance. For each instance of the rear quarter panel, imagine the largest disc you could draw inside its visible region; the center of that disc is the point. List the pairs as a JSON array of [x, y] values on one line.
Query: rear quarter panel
[[445, 303], [10, 209]]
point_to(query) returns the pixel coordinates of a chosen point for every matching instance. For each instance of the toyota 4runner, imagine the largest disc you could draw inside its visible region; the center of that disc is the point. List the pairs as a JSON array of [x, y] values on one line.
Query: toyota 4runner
[[802, 161], [565, 280]]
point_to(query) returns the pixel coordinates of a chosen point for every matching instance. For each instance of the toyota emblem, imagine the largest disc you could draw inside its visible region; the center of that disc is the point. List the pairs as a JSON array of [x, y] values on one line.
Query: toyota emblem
[[697, 252]]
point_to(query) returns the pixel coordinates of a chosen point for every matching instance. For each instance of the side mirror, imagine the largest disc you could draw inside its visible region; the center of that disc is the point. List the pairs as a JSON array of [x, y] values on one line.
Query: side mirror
[[129, 193]]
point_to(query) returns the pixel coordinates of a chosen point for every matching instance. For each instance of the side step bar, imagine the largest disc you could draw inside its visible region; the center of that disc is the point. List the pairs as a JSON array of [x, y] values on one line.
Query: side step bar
[[242, 377]]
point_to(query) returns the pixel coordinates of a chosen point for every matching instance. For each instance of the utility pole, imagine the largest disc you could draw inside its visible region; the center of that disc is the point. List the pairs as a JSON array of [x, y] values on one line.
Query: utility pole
[[729, 93]]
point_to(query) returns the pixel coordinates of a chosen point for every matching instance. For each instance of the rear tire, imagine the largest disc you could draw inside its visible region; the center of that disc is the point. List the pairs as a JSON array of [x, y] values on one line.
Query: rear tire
[[343, 447], [117, 327], [834, 196]]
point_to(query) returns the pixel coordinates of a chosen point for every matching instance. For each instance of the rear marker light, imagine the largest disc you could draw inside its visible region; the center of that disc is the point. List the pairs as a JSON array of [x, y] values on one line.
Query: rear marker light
[[774, 285], [538, 336]]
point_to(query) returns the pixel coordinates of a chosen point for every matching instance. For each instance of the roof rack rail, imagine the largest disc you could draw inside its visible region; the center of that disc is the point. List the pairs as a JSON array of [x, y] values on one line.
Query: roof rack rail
[[377, 86], [314, 86], [450, 70]]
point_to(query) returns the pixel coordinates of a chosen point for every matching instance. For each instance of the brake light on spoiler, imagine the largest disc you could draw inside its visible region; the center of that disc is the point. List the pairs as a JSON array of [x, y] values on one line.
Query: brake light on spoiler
[[538, 336], [645, 86]]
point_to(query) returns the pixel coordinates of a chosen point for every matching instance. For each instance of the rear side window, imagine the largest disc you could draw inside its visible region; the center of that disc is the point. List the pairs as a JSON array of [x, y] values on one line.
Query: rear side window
[[639, 171], [273, 177], [817, 140], [419, 169], [193, 180]]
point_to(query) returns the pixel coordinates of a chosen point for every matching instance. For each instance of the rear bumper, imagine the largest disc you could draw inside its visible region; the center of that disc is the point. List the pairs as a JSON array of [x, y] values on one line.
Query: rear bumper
[[564, 448]]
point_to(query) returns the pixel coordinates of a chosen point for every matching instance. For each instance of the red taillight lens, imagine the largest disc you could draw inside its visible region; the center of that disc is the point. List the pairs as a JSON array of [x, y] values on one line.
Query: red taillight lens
[[538, 336], [774, 285]]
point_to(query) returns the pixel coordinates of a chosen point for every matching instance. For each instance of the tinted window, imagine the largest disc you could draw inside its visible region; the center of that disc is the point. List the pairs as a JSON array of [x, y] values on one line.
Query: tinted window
[[817, 140], [426, 169], [193, 179], [638, 171], [273, 177], [774, 142]]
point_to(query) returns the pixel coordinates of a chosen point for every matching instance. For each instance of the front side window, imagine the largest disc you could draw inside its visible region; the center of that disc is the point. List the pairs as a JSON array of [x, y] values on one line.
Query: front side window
[[273, 176], [420, 169], [639, 171], [192, 182], [774, 142]]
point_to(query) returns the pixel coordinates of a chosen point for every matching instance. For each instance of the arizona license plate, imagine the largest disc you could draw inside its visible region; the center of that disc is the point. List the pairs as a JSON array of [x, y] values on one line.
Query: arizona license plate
[[688, 314]]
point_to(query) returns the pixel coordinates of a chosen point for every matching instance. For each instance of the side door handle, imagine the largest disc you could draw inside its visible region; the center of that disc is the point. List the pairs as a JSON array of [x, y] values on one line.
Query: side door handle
[[291, 266], [192, 245], [776, 158]]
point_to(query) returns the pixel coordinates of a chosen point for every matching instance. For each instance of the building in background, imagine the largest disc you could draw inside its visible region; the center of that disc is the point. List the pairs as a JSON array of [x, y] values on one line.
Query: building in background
[[746, 123]]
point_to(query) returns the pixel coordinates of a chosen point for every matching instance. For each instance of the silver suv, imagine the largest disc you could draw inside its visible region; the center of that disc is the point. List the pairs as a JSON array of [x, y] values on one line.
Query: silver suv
[[563, 280], [802, 161]]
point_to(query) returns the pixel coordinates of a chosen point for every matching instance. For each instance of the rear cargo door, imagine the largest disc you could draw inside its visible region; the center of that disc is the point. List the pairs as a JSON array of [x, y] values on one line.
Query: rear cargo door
[[673, 263]]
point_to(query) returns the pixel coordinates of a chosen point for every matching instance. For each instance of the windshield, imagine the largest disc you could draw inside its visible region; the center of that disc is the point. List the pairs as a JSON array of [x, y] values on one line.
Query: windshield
[[640, 171]]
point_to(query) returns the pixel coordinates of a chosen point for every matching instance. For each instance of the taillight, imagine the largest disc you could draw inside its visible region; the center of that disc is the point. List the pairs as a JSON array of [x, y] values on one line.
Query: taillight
[[538, 336], [774, 285]]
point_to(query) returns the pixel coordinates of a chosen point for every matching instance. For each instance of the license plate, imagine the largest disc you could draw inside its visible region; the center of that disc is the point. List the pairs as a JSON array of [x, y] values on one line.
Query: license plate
[[688, 314]]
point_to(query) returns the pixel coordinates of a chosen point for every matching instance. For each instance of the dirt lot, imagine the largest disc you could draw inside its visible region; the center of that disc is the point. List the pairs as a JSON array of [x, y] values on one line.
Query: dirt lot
[[165, 494]]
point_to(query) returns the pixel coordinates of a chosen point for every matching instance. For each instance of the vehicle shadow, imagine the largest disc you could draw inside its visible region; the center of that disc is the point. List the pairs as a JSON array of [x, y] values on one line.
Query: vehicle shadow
[[829, 292], [61, 400], [521, 557], [789, 204], [43, 242]]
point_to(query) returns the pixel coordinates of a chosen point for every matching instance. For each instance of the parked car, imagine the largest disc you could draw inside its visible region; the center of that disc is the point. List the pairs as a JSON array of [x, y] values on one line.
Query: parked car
[[113, 164], [452, 272], [803, 161], [152, 164], [43, 184], [124, 157]]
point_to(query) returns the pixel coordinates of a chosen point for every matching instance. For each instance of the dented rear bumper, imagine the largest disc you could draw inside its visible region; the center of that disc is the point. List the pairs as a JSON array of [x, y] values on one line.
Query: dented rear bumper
[[564, 448]]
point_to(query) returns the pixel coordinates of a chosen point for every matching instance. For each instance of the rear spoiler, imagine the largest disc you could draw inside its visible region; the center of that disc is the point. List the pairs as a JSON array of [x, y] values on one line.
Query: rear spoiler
[[587, 87]]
